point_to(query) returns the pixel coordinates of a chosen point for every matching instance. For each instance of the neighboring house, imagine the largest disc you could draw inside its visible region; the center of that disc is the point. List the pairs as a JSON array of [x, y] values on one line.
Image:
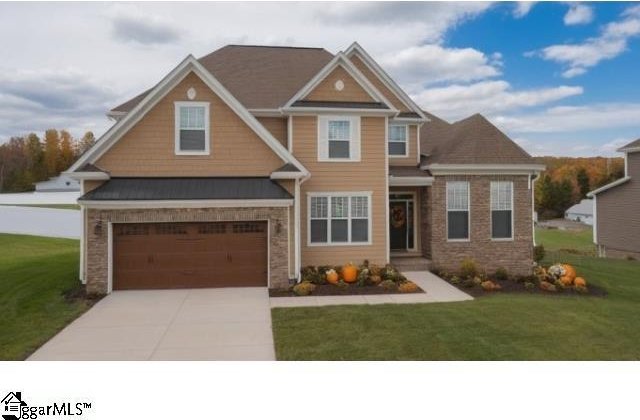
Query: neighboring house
[[241, 167], [58, 183], [616, 229], [581, 212]]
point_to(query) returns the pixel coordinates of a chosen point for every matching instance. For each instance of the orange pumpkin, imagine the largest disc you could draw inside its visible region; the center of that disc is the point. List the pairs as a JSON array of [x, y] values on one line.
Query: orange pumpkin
[[566, 281], [569, 271], [332, 277], [349, 273], [580, 282]]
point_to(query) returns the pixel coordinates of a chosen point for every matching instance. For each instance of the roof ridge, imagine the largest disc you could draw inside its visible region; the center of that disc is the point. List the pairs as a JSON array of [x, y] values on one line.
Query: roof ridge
[[273, 46]]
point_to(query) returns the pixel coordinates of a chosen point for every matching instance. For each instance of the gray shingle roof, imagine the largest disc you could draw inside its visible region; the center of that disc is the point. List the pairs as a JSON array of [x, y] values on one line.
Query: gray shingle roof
[[340, 104], [473, 140], [634, 144], [187, 189], [259, 76], [400, 171]]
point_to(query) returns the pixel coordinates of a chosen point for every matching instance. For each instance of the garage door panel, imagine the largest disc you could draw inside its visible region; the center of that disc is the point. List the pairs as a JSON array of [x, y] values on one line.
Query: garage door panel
[[185, 255]]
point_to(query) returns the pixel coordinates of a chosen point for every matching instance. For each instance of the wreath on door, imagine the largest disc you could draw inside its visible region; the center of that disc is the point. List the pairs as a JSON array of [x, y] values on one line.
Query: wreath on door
[[398, 216]]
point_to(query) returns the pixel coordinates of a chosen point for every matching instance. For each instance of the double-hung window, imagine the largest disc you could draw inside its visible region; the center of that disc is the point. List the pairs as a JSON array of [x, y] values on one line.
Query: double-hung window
[[339, 219], [192, 128], [338, 138], [501, 210], [457, 210], [398, 140]]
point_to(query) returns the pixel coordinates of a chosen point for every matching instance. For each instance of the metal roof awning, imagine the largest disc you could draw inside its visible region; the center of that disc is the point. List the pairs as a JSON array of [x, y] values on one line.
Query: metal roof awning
[[180, 189]]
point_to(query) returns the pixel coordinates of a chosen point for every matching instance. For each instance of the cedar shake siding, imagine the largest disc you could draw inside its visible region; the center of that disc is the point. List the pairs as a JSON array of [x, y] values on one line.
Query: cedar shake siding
[[327, 91], [514, 255], [618, 215], [375, 81], [148, 149], [366, 175]]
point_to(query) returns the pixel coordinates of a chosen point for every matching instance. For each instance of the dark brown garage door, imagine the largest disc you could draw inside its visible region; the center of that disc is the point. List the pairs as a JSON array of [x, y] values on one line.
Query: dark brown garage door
[[183, 255]]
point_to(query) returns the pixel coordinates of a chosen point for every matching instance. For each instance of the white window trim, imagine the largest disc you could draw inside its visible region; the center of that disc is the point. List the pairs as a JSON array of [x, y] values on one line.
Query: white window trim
[[207, 132], [406, 140], [446, 212], [355, 127], [491, 216], [348, 194]]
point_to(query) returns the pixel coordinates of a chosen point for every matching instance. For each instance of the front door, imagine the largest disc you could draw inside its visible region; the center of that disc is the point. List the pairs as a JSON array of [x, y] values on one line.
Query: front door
[[398, 226]]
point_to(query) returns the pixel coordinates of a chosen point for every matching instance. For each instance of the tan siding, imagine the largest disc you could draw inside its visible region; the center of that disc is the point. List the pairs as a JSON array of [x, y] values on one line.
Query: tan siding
[[412, 159], [148, 148], [391, 97], [91, 185], [618, 214], [277, 127], [366, 175], [326, 91]]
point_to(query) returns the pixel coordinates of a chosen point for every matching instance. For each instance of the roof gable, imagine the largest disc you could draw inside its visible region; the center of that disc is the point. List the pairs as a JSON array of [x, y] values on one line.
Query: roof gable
[[260, 77], [340, 61], [188, 65], [634, 146], [339, 85], [400, 96]]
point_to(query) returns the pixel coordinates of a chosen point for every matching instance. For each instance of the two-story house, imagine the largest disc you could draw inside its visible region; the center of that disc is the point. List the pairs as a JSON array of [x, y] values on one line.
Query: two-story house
[[241, 167], [616, 210]]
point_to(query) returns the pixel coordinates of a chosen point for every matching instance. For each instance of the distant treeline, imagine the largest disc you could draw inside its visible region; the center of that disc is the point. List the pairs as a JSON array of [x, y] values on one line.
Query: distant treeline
[[29, 159], [566, 181]]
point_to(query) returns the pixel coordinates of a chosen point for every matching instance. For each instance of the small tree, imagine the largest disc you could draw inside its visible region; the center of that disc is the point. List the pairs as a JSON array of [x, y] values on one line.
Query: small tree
[[582, 179]]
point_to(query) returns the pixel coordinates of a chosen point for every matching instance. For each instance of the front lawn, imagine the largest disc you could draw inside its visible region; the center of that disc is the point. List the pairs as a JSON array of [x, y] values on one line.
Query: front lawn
[[497, 327], [577, 241], [35, 274]]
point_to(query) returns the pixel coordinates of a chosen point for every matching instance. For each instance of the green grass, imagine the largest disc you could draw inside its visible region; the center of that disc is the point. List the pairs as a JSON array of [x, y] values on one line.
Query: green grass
[[48, 206], [557, 240], [34, 274], [497, 327]]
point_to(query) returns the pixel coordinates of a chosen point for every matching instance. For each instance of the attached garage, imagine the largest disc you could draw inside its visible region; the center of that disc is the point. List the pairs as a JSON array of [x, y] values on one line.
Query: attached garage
[[169, 233], [190, 255]]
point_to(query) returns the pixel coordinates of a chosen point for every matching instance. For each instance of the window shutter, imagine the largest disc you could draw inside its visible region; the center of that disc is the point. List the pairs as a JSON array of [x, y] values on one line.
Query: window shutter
[[323, 135], [355, 139]]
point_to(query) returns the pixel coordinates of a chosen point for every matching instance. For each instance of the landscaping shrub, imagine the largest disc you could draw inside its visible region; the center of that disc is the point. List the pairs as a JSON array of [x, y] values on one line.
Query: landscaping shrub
[[501, 274], [390, 273], [375, 280], [363, 276], [304, 288], [529, 285], [468, 283], [408, 287], [388, 285], [311, 274], [538, 253], [548, 287], [455, 280], [468, 269]]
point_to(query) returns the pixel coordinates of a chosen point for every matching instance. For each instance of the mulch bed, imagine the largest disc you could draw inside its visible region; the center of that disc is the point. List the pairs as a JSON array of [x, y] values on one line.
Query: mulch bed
[[510, 287], [331, 290]]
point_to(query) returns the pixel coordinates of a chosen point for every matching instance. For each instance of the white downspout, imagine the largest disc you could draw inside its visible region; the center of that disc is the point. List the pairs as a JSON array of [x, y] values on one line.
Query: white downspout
[[533, 207], [83, 223], [296, 217]]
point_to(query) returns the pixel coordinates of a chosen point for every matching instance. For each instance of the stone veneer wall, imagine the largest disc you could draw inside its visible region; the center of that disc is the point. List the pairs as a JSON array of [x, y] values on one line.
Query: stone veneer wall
[[97, 245], [425, 221], [514, 255]]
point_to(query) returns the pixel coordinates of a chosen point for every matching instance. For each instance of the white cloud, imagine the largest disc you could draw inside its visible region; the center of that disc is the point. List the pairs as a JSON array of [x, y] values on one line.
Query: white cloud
[[611, 43], [427, 64], [578, 14], [574, 119], [522, 8], [488, 97], [130, 24]]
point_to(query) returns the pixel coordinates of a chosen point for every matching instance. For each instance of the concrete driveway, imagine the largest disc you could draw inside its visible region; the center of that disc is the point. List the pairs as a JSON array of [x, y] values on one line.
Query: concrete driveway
[[186, 324]]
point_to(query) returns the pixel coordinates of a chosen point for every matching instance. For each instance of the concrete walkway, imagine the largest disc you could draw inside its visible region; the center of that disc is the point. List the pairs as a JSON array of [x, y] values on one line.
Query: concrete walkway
[[186, 324], [40, 221], [437, 290]]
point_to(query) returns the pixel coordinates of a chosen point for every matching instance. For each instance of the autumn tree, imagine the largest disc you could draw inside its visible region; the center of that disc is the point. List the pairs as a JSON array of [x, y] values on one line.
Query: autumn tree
[[51, 151], [582, 179], [67, 151], [85, 143]]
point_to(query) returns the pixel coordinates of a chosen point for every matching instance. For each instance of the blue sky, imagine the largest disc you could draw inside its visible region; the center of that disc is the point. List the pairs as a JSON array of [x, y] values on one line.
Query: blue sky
[[559, 78]]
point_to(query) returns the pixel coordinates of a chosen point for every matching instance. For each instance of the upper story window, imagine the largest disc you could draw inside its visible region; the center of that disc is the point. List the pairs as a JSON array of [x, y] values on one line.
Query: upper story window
[[192, 128], [338, 138], [502, 210], [458, 210], [398, 135]]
